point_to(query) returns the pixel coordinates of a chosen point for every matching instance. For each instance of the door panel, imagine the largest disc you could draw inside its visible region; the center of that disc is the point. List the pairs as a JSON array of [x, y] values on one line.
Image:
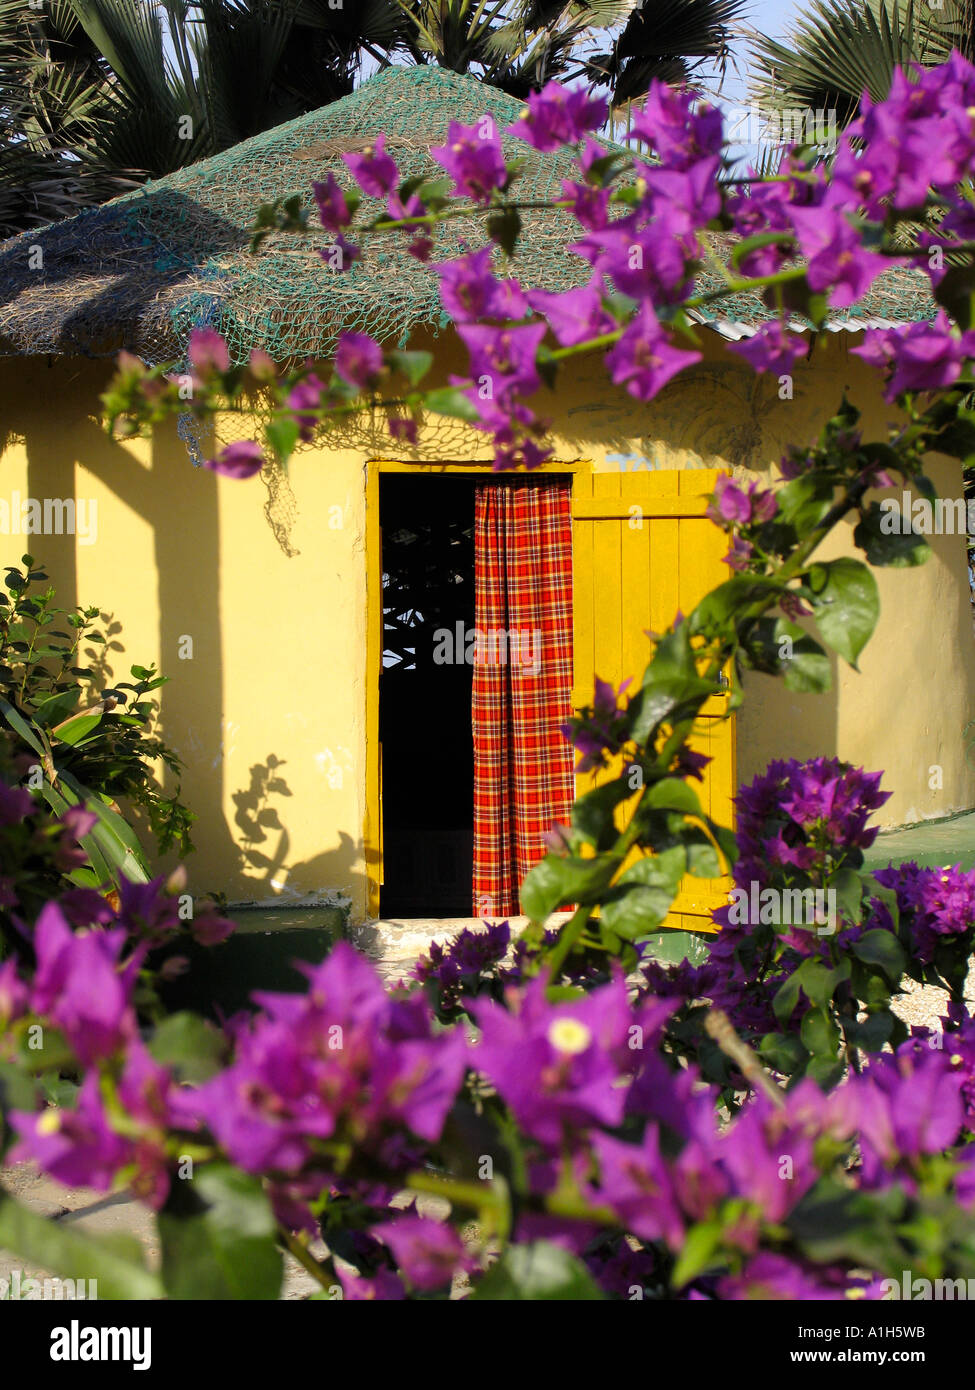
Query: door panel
[[642, 548]]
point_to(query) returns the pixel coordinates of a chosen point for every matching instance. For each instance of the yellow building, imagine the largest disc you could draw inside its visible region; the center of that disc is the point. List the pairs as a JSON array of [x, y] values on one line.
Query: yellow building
[[264, 601]]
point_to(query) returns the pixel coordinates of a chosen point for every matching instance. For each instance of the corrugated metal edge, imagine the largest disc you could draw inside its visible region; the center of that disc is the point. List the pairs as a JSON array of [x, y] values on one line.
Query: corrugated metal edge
[[734, 330]]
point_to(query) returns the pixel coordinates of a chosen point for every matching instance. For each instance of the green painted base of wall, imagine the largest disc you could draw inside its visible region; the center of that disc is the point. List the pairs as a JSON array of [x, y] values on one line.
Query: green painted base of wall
[[260, 955], [672, 947], [931, 844]]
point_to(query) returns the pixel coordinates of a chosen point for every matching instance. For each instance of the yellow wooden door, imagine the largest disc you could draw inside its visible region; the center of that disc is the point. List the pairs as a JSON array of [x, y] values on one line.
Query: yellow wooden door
[[642, 548]]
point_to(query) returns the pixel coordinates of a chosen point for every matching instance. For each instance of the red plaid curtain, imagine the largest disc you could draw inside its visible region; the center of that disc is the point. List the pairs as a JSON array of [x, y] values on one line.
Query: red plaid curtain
[[523, 766]]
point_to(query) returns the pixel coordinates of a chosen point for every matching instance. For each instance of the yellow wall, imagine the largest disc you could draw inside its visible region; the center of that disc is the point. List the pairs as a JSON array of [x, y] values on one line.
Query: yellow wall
[[272, 592]]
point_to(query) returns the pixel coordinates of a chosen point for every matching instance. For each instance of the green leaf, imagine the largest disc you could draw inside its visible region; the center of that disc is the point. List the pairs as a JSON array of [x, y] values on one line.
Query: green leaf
[[786, 998], [846, 603], [701, 1244], [71, 1255], [18, 1090], [57, 707], [189, 1044], [21, 727], [715, 615], [880, 947], [672, 794], [592, 814], [641, 898], [783, 1052], [451, 401], [884, 548], [100, 867], [873, 1034], [703, 860], [848, 886], [836, 1223], [217, 1233], [820, 1034], [536, 1273], [114, 837], [805, 501], [504, 227], [558, 879], [414, 364], [670, 698], [779, 646], [282, 435], [819, 982], [72, 731]]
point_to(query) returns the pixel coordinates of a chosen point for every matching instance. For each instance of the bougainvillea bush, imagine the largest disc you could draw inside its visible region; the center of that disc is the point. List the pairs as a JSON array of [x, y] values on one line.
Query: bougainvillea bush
[[569, 1120]]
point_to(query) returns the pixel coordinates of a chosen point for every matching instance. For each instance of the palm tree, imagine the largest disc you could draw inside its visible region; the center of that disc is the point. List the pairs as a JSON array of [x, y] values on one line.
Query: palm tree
[[621, 45], [97, 95], [841, 48]]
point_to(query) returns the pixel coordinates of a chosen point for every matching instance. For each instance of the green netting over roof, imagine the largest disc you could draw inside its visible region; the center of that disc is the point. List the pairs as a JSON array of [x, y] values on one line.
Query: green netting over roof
[[141, 271]]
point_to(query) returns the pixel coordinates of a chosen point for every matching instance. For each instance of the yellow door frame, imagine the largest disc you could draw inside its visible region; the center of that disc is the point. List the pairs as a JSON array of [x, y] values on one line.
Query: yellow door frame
[[584, 507]]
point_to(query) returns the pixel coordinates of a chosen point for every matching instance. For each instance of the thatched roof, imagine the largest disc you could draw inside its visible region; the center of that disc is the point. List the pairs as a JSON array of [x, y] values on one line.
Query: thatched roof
[[141, 271]]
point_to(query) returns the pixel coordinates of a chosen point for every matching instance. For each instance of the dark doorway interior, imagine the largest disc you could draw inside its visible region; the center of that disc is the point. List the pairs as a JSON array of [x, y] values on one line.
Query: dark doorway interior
[[424, 698]]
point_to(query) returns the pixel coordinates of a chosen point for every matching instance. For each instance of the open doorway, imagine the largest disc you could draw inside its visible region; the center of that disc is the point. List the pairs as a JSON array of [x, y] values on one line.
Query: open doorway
[[427, 529]]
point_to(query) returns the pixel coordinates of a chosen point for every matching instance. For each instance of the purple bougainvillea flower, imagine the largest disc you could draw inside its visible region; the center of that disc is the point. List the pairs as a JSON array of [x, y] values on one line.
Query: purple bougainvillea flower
[[76, 1147], [473, 158], [772, 1277], [575, 315], [151, 1098], [470, 292], [837, 261], [730, 502], [556, 1065], [589, 205], [933, 902], [341, 254], [771, 348], [733, 505], [382, 1287], [420, 246], [635, 1181], [79, 986], [333, 210], [398, 210], [503, 359], [558, 116], [594, 736], [242, 459], [305, 399], [262, 367], [901, 1107], [645, 262], [680, 130], [83, 907], [207, 352], [78, 821], [358, 360], [15, 804], [686, 199], [465, 957], [340, 1055], [691, 764], [644, 359], [373, 170], [751, 1153], [428, 1252], [925, 356]]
